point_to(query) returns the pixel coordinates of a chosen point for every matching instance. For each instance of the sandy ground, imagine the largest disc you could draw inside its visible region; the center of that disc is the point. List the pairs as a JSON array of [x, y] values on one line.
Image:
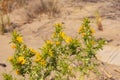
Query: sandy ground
[[36, 30]]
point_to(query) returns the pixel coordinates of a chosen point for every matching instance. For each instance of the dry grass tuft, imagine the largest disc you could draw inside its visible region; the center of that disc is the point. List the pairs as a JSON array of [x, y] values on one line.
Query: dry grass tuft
[[99, 21], [10, 5], [48, 7]]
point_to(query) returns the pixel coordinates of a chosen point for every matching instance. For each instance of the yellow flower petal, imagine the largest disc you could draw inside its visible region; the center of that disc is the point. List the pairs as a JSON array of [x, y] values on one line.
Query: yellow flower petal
[[83, 34], [49, 42], [63, 35], [58, 25], [80, 29], [19, 39], [50, 53], [33, 51], [13, 46], [92, 30], [10, 58], [38, 59], [57, 43], [53, 35], [43, 63], [37, 54], [21, 60], [92, 42], [68, 39], [17, 72]]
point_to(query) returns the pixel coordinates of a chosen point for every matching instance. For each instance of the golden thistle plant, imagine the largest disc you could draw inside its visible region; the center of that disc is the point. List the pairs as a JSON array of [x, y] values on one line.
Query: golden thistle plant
[[61, 54]]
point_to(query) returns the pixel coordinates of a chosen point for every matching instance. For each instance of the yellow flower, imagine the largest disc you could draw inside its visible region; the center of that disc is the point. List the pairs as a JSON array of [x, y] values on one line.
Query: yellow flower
[[21, 60], [44, 45], [13, 46], [49, 42], [83, 34], [38, 59], [10, 58], [58, 25], [57, 43], [53, 35], [51, 53], [19, 39], [92, 42], [43, 63], [37, 54], [63, 35], [33, 51], [68, 39], [92, 30], [17, 72], [80, 29]]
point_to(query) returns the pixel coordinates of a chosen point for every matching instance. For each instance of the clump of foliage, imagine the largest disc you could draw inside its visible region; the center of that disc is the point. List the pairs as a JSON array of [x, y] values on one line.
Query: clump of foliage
[[8, 77], [61, 55]]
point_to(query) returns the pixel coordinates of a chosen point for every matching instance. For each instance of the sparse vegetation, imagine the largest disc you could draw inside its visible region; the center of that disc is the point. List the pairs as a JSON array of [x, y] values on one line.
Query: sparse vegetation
[[59, 56], [62, 55], [8, 77]]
